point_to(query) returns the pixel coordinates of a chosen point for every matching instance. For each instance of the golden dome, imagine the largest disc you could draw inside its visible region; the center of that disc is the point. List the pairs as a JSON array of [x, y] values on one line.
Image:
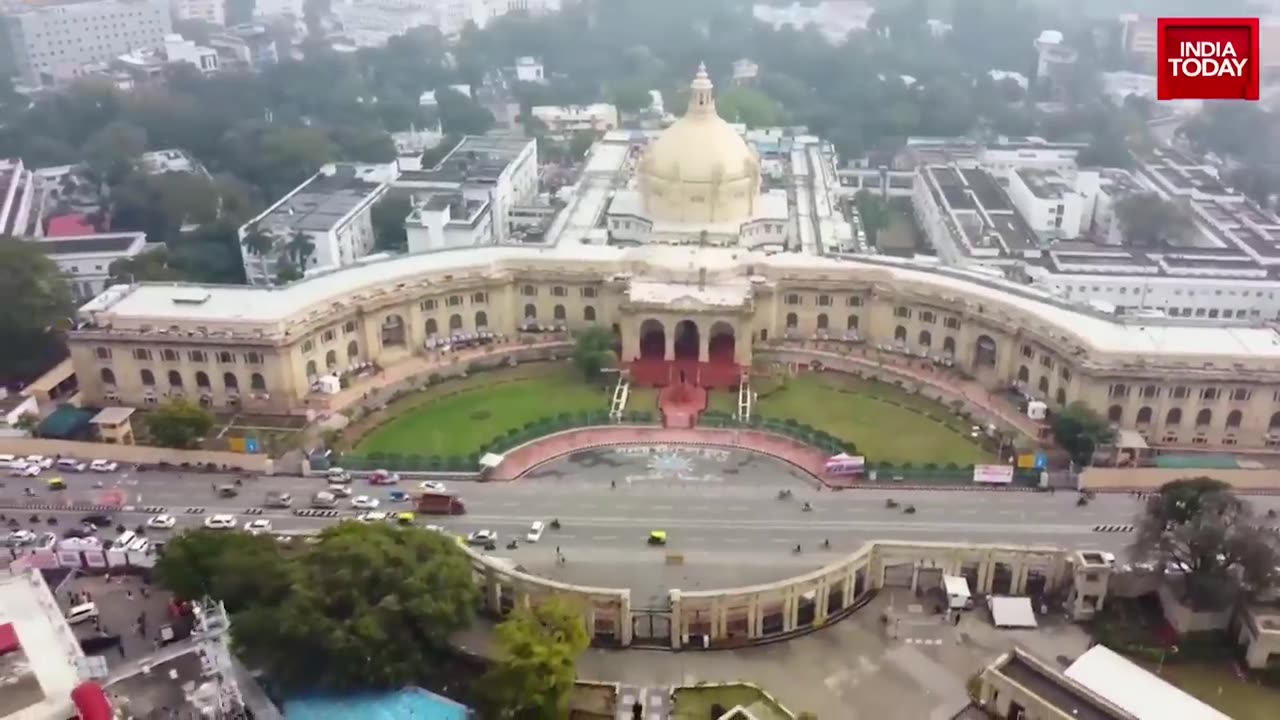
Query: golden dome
[[700, 169]]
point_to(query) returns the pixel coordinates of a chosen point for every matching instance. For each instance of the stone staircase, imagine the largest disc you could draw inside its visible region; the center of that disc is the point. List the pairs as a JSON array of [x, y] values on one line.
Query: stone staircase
[[680, 405]]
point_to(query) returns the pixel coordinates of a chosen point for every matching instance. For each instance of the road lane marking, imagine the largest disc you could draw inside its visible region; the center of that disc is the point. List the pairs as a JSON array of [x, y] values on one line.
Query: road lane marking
[[600, 537]]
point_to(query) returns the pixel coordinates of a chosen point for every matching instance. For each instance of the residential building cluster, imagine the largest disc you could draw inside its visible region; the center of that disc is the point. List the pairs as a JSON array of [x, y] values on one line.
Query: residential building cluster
[[370, 23], [1032, 214]]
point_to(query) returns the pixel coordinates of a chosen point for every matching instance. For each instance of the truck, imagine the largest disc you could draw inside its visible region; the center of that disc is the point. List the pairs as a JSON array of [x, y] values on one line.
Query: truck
[[277, 499], [324, 499], [434, 503]]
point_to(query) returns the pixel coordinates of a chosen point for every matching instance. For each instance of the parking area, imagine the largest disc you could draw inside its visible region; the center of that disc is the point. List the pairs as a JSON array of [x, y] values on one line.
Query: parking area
[[127, 608]]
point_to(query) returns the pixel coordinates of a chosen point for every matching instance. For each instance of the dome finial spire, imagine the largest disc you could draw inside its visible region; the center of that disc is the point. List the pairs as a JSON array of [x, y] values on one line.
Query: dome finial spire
[[701, 98]]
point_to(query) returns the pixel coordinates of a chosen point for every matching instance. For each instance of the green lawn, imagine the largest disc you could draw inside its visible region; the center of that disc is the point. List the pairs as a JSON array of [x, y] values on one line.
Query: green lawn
[[1217, 686], [642, 400], [857, 411], [463, 422], [694, 703]]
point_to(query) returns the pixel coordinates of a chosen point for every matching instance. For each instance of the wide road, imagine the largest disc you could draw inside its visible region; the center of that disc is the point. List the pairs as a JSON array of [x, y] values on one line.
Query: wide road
[[719, 508]]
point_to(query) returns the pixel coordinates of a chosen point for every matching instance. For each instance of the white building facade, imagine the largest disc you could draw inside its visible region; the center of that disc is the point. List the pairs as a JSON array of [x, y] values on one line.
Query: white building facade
[[213, 12], [569, 119], [52, 43], [85, 260], [322, 224], [1047, 202]]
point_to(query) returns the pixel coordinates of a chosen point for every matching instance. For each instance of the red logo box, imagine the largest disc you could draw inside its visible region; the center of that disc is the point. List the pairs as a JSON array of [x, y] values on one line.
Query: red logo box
[[1207, 58]]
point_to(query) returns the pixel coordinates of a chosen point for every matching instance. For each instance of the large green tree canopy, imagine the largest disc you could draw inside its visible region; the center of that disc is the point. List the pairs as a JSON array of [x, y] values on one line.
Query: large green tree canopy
[[366, 606], [35, 307]]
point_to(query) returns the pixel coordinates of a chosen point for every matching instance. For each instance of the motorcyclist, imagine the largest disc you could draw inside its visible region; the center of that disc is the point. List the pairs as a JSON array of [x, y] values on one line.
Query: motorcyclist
[[807, 507], [555, 524], [826, 543], [798, 548]]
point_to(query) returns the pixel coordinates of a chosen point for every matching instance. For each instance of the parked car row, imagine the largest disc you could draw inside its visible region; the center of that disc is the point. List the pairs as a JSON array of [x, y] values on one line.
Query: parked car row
[[33, 465]]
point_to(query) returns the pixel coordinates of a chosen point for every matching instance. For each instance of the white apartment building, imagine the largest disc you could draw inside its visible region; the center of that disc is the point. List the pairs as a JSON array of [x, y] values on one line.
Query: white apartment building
[[530, 70], [569, 119], [1048, 203], [278, 8], [371, 23], [48, 44], [482, 176], [213, 12], [180, 50], [85, 260], [17, 192], [331, 211], [440, 221]]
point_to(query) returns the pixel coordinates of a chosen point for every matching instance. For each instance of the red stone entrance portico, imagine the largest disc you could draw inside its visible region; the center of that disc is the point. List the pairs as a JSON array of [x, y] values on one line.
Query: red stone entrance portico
[[685, 357]]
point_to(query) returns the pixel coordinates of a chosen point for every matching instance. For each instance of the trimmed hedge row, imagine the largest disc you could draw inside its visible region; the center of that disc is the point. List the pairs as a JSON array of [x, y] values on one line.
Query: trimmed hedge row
[[511, 439], [806, 434]]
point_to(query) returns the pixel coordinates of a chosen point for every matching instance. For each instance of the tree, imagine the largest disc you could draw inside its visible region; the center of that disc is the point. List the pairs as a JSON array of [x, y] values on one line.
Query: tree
[[873, 211], [112, 151], [1199, 528], [152, 266], [35, 303], [178, 424], [533, 674], [258, 240], [1148, 220], [748, 106], [580, 144], [630, 96], [239, 569], [1079, 430], [461, 115], [300, 248], [593, 351], [369, 606], [388, 217]]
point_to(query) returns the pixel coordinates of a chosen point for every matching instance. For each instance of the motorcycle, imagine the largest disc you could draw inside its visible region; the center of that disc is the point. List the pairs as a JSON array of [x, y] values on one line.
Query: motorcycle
[[891, 503], [806, 508], [784, 494], [1082, 501], [796, 550], [555, 524], [909, 510], [826, 543], [513, 545]]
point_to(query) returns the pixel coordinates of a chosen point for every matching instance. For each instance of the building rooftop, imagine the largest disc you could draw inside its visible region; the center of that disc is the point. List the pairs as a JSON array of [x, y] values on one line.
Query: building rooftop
[[1067, 696], [1125, 684], [1045, 184], [161, 304], [93, 244], [980, 217], [321, 203], [477, 159], [75, 224], [37, 678]]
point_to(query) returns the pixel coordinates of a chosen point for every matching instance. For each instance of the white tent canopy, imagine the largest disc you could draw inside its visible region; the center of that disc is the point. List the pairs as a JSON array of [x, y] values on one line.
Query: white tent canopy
[[1012, 612]]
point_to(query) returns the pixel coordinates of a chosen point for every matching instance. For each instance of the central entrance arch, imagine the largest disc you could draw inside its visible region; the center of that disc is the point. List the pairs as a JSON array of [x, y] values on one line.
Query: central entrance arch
[[720, 349], [688, 340], [653, 340]]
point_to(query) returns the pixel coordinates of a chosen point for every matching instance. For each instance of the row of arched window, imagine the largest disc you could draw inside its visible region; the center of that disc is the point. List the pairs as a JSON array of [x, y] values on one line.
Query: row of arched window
[[558, 313], [229, 380], [1173, 418], [823, 322]]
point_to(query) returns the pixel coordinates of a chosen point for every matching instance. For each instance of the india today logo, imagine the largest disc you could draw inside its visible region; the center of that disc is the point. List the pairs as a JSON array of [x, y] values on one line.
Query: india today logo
[[1207, 58]]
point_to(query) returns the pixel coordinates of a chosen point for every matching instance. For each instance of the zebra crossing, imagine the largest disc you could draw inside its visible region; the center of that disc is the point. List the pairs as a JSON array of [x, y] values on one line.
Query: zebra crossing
[[1112, 528], [154, 509], [195, 511], [924, 641], [254, 511], [312, 513], [72, 507]]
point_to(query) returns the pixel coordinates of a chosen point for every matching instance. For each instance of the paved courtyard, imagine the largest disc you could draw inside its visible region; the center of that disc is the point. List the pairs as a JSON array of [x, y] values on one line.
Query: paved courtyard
[[859, 669]]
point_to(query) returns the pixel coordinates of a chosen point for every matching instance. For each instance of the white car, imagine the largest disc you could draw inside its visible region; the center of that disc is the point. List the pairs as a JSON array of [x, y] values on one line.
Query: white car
[[372, 517], [44, 462], [22, 537], [480, 537], [432, 486], [364, 502], [21, 468], [104, 466], [72, 465], [339, 491], [220, 522], [535, 531], [258, 526], [163, 522], [437, 528]]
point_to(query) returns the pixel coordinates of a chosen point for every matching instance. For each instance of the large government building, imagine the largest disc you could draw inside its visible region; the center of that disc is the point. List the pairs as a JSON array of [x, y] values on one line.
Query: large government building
[[675, 294]]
